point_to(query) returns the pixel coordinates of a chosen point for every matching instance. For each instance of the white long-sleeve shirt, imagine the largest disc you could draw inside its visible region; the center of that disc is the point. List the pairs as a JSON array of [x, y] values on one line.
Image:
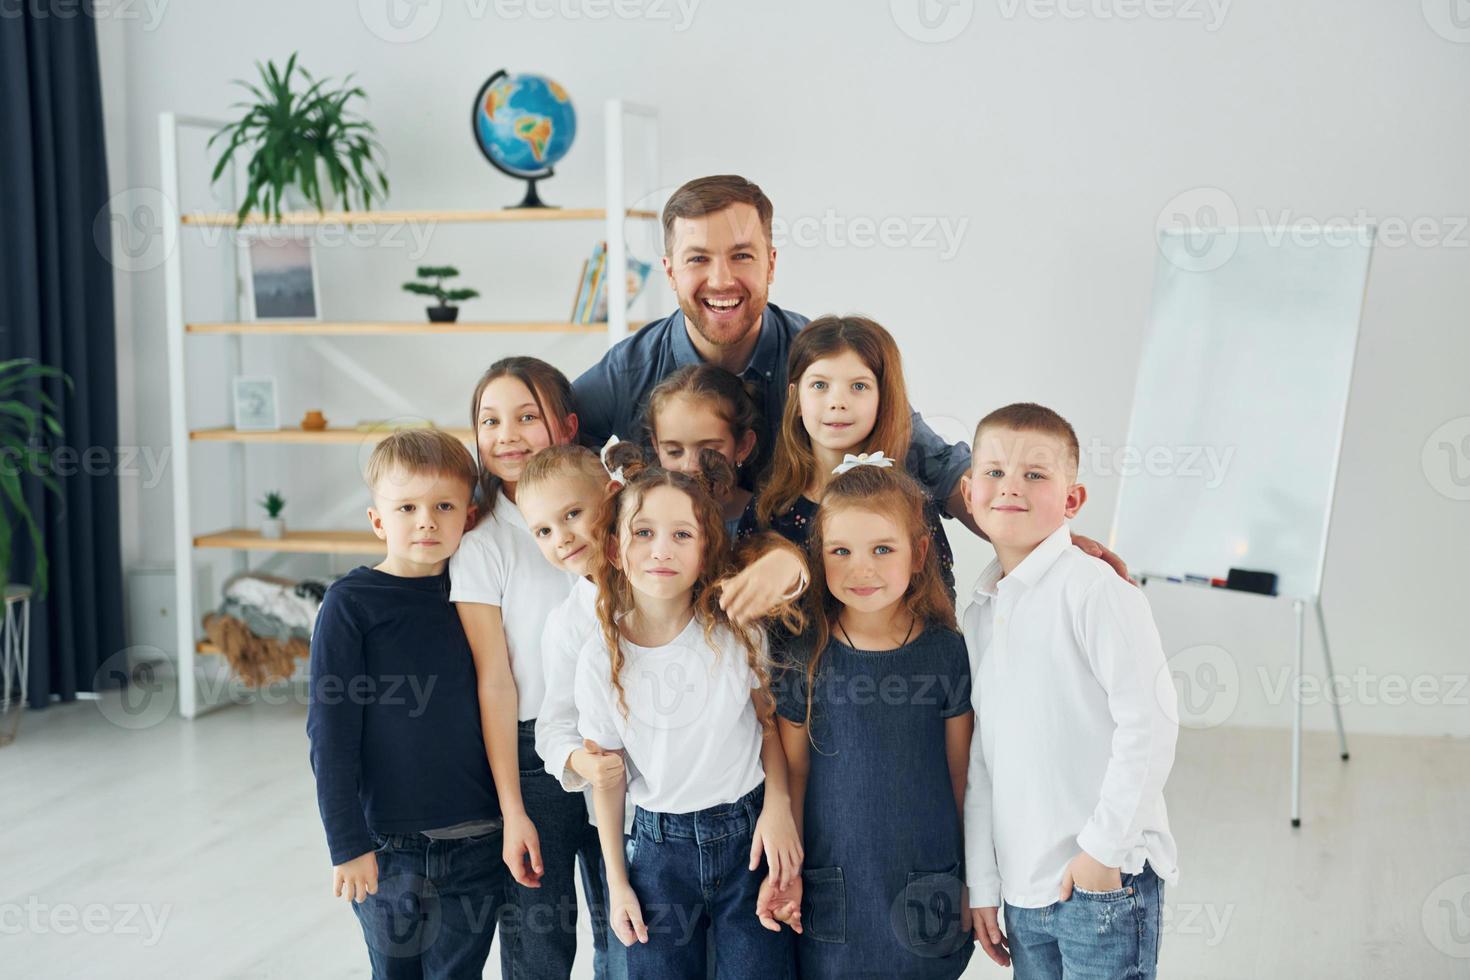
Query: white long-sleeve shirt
[[1075, 727], [567, 628]]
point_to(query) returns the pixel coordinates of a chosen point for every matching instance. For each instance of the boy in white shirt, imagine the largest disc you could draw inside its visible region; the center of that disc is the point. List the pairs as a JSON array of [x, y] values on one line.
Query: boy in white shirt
[[1075, 725]]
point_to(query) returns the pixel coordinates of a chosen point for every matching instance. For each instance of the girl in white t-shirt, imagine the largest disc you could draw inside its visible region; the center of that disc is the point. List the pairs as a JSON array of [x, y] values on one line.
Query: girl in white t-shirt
[[683, 694], [505, 591]]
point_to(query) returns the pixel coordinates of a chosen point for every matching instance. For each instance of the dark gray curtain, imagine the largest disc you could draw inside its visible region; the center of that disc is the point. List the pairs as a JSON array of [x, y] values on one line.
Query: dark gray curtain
[[56, 307]]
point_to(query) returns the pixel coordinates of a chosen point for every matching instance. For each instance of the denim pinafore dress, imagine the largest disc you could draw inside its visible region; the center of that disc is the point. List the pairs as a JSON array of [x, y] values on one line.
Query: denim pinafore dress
[[883, 874]]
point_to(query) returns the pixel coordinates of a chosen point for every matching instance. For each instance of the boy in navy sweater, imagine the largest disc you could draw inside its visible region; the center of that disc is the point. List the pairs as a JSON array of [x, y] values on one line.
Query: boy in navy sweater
[[403, 781]]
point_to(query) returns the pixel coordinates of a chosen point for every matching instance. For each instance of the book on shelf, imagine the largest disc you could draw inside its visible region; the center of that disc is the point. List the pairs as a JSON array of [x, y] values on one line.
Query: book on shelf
[[591, 302], [582, 309], [599, 268], [577, 300]]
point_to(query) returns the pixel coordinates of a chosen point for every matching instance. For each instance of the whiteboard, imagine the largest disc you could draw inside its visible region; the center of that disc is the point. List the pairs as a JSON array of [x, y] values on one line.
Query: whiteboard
[[1238, 412]]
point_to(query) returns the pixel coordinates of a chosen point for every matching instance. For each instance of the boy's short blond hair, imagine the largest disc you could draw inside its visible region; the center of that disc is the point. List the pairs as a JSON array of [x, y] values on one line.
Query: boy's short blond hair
[[558, 462], [1030, 417], [420, 451]]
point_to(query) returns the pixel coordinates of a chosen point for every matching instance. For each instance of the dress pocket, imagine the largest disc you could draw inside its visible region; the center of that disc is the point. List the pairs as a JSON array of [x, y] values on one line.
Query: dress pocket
[[824, 905], [932, 903]]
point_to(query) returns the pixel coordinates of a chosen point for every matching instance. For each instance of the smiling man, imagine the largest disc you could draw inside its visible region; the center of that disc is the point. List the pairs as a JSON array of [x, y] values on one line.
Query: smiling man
[[720, 261]]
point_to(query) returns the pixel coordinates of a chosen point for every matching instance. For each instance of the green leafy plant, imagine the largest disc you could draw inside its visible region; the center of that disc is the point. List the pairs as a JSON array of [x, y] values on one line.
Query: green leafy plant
[[439, 273], [273, 503], [288, 132], [23, 452]]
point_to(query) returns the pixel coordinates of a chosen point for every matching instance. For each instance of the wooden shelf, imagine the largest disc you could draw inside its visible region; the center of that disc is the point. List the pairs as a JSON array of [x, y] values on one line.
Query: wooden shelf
[[301, 542], [328, 436], [300, 327], [227, 218]]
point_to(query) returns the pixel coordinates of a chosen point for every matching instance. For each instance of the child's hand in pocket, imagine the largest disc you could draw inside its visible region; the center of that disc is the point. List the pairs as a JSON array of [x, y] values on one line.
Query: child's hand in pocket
[[626, 915], [358, 878], [1089, 874]]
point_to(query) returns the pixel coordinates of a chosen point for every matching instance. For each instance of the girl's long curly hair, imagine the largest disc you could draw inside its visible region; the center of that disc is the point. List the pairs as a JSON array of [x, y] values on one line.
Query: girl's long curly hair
[[887, 492], [615, 592], [795, 464]]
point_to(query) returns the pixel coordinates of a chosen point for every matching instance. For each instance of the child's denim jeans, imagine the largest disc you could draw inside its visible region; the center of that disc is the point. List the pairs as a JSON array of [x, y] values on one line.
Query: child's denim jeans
[[1092, 935], [538, 926], [435, 910], [691, 874]]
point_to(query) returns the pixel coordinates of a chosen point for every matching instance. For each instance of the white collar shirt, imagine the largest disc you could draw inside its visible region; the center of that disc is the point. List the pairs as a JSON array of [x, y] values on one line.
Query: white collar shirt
[[1074, 729]]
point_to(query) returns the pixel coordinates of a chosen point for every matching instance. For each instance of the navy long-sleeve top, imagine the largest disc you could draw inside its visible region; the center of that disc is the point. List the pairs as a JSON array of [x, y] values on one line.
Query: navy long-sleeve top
[[394, 718]]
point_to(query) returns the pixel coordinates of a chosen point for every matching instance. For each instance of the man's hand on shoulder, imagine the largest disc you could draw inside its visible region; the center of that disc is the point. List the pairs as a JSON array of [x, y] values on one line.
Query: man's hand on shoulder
[[1096, 550]]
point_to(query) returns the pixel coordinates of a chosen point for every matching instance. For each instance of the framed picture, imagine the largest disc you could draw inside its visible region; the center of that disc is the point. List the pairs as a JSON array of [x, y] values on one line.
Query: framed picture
[[255, 405], [281, 278]]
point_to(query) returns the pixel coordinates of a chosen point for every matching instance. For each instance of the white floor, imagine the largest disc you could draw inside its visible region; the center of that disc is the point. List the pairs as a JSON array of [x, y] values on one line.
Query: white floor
[[193, 849]]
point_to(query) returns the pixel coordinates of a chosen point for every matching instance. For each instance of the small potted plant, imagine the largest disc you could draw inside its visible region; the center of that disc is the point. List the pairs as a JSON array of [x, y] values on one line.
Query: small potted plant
[[444, 312], [306, 146], [274, 525]]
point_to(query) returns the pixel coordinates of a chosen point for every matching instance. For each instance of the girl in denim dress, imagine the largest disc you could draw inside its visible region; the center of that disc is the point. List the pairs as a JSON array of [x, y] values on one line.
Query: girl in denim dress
[[847, 401], [875, 720]]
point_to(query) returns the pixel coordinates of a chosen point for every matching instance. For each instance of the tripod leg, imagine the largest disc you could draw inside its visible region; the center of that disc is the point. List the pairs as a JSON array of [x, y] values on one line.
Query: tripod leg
[[1331, 674], [1296, 725]]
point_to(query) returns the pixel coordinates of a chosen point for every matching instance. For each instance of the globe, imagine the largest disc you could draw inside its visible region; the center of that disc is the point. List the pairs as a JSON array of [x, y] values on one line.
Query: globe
[[524, 124]]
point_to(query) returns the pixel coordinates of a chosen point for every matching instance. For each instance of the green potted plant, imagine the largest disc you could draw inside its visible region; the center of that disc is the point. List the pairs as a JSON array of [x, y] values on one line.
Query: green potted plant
[[274, 525], [443, 312], [22, 431], [302, 142]]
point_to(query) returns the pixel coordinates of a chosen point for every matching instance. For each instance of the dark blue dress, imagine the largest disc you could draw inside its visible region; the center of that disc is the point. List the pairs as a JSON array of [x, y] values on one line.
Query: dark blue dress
[[883, 874]]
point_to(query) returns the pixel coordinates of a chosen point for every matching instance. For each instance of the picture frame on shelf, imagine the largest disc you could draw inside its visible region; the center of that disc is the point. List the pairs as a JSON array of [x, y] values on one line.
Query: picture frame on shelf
[[256, 407], [280, 277]]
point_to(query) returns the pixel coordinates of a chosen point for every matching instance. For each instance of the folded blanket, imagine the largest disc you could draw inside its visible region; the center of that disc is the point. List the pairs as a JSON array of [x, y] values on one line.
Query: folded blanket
[[263, 625]]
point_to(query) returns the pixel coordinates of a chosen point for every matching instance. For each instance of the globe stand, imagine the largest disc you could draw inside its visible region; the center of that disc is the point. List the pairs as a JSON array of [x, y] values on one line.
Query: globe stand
[[532, 199]]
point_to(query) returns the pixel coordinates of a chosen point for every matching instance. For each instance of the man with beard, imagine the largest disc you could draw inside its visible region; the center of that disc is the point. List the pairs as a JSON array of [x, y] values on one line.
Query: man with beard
[[720, 262]]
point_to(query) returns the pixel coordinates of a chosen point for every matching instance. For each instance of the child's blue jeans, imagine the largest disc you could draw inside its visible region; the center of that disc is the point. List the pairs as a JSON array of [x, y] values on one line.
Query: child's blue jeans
[[538, 926], [691, 874], [1092, 935], [435, 910]]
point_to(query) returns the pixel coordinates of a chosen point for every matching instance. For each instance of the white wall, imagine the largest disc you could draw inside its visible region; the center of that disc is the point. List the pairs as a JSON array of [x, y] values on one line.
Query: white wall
[[1051, 144]]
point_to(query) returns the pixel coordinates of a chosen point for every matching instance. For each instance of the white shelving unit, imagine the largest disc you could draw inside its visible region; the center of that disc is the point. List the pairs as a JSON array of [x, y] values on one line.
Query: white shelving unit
[[194, 655]]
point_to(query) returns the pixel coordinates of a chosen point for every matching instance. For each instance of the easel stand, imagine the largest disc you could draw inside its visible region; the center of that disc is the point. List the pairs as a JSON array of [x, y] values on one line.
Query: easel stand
[[1298, 606]]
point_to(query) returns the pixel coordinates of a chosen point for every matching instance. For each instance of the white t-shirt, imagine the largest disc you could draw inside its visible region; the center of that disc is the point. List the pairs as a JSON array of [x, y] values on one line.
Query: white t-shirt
[[1075, 722], [691, 739], [498, 564]]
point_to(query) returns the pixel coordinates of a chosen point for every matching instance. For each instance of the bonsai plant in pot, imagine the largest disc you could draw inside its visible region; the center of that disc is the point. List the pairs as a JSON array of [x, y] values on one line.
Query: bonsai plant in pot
[[306, 143], [444, 312], [274, 525]]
